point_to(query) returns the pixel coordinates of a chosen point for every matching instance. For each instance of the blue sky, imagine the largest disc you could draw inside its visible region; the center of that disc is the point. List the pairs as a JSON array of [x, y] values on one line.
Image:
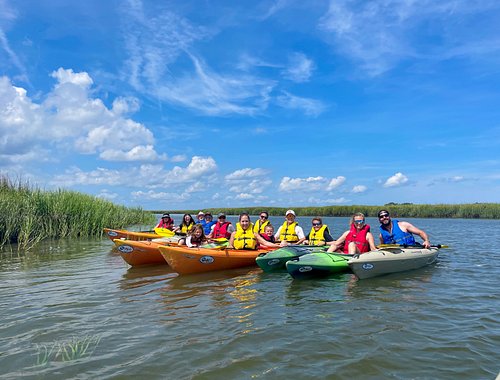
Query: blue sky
[[195, 104]]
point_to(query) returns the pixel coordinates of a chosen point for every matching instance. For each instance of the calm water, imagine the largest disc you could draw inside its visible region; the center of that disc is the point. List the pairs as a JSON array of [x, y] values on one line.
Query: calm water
[[439, 322]]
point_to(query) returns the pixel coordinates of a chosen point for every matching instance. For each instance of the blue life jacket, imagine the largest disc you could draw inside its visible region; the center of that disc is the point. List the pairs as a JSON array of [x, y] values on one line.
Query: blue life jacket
[[397, 236], [207, 226]]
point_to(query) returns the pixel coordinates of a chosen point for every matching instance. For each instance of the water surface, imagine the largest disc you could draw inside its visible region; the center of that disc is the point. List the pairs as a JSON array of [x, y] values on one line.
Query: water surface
[[438, 322]]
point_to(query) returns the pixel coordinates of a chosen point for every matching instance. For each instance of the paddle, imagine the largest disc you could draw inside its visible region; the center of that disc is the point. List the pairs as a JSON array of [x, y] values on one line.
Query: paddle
[[164, 232], [410, 246]]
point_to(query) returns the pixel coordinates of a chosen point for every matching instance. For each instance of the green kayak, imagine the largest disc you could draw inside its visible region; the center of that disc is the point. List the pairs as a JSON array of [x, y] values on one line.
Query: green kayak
[[318, 264], [275, 260]]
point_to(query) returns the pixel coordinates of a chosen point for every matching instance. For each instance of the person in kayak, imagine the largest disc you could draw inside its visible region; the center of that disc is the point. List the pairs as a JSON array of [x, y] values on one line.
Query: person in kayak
[[222, 228], [290, 231], [243, 237], [207, 223], [196, 237], [319, 234], [261, 223], [200, 217], [166, 222], [267, 238], [392, 231], [185, 226], [357, 239]]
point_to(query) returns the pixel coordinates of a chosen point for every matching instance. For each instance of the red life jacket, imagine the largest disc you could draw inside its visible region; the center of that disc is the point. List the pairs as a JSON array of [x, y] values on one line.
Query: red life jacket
[[168, 225], [268, 238], [359, 238], [220, 230]]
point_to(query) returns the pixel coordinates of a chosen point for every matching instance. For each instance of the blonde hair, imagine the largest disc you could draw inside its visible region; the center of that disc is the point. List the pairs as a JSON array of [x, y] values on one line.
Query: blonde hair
[[355, 215]]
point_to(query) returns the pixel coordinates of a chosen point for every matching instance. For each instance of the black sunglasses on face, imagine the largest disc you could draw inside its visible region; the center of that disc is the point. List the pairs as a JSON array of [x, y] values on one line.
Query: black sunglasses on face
[[263, 217]]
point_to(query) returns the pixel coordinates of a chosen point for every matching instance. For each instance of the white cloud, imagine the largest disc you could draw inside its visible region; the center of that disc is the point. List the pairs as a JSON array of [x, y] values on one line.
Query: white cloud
[[359, 189], [397, 179], [310, 107], [156, 42], [299, 68], [178, 158], [106, 194], [243, 196], [160, 196], [336, 182], [379, 35], [71, 119], [246, 173], [288, 184], [248, 181], [137, 153], [147, 175]]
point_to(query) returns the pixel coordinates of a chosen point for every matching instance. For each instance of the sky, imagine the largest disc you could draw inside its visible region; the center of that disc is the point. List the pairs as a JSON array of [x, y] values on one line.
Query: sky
[[172, 105]]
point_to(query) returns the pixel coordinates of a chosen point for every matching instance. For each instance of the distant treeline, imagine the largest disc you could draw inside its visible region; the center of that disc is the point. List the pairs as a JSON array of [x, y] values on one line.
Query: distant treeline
[[29, 215], [407, 210]]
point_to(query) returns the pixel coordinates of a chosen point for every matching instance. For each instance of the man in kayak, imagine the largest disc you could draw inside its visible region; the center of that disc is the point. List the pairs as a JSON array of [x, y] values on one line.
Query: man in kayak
[[393, 231], [200, 217], [290, 231], [207, 223]]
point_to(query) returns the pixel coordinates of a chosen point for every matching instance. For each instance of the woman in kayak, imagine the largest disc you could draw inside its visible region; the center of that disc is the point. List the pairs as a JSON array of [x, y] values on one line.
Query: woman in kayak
[[195, 238], [185, 226], [166, 222], [320, 234], [243, 237], [358, 239]]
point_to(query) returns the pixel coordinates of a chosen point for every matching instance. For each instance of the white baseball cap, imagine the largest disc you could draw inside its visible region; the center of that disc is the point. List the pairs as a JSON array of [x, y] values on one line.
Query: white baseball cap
[[201, 213], [290, 212]]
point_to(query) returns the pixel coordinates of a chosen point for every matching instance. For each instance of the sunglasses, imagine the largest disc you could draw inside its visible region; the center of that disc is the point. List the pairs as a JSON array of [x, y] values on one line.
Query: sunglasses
[[316, 224], [383, 216], [263, 216], [359, 221]]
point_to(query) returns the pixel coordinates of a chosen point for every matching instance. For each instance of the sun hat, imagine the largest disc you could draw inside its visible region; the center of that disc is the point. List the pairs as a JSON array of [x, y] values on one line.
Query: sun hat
[[290, 212]]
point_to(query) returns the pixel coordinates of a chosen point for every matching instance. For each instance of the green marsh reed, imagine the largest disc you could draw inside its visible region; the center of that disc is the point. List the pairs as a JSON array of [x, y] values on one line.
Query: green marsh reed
[[29, 215], [406, 210], [66, 351]]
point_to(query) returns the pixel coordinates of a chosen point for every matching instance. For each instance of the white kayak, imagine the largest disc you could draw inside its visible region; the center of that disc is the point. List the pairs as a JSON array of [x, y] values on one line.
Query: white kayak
[[391, 260]]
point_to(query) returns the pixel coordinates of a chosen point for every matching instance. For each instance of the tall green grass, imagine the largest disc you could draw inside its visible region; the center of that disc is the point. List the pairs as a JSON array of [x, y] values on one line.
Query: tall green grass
[[466, 211], [29, 215]]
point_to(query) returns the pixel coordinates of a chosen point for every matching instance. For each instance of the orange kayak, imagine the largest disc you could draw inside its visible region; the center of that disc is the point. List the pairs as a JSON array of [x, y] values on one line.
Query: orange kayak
[[129, 235], [141, 252], [185, 260]]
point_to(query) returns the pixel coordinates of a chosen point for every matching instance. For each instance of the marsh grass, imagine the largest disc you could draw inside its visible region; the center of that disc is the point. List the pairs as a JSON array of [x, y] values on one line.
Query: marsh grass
[[66, 351], [406, 210], [29, 215]]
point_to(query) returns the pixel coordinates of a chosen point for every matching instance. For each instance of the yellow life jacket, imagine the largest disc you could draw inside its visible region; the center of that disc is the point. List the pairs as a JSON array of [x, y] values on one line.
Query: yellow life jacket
[[185, 229], [244, 239], [259, 228], [287, 232], [317, 237]]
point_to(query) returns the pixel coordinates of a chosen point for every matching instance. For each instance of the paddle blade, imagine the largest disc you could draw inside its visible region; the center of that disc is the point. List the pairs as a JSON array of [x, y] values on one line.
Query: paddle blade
[[164, 232], [410, 246]]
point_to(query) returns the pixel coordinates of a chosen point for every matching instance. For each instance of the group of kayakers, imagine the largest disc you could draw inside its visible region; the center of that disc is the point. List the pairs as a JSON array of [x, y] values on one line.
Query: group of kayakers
[[247, 235]]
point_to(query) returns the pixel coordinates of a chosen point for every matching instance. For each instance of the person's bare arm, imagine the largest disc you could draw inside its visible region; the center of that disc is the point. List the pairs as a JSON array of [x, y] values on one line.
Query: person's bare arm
[[416, 231]]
